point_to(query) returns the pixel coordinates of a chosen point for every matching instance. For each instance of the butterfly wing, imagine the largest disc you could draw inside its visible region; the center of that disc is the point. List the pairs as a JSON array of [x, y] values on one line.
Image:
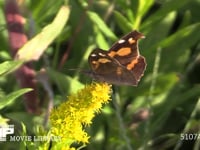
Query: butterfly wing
[[122, 64], [126, 49], [126, 52], [107, 69]]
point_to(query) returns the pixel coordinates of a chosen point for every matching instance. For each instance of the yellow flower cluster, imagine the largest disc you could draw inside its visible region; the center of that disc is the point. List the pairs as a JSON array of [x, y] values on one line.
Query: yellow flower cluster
[[69, 118]]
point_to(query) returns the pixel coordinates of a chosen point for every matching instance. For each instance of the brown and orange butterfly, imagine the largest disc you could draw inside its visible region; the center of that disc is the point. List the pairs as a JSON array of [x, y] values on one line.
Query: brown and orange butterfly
[[122, 64]]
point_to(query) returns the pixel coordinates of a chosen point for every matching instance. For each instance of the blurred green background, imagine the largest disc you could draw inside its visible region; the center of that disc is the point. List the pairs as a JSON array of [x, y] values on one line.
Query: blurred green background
[[152, 115]]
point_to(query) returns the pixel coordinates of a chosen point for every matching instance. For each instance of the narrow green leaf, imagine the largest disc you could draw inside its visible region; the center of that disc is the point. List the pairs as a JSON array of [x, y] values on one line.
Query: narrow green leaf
[[9, 99], [122, 21], [187, 19], [33, 49], [153, 39], [101, 41], [167, 7], [175, 48], [9, 66], [183, 38], [101, 25], [175, 98], [144, 6]]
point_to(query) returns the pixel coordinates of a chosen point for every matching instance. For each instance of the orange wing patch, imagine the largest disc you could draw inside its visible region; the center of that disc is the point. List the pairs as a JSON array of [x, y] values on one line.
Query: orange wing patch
[[131, 65], [121, 52], [95, 64], [103, 60], [131, 41]]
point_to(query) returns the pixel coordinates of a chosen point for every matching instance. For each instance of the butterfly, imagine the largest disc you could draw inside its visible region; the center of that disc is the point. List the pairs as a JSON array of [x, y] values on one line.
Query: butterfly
[[122, 64]]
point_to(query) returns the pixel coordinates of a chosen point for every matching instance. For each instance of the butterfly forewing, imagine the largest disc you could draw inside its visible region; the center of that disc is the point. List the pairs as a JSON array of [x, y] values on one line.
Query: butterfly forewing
[[101, 63], [109, 70], [126, 49]]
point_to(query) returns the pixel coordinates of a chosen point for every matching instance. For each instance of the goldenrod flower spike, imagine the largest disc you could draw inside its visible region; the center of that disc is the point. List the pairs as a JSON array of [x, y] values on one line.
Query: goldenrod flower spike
[[68, 119]]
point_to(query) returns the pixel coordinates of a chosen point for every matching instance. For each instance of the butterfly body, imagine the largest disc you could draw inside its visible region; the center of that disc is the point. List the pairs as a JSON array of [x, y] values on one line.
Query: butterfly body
[[122, 64]]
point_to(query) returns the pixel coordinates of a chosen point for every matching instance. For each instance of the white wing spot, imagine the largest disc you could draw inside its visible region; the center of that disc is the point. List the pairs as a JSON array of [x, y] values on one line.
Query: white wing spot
[[93, 55], [130, 39], [121, 41], [101, 54]]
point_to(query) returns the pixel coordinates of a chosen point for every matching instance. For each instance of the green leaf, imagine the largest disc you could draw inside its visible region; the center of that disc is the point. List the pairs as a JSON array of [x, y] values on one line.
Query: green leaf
[[33, 49], [178, 45], [144, 6], [175, 48], [123, 22], [101, 41], [183, 38], [9, 66], [171, 5], [153, 39], [9, 99], [174, 99], [65, 83], [101, 25]]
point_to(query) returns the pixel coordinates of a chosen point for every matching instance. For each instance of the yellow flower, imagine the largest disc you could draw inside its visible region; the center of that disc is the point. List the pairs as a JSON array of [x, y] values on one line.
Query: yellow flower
[[69, 118]]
